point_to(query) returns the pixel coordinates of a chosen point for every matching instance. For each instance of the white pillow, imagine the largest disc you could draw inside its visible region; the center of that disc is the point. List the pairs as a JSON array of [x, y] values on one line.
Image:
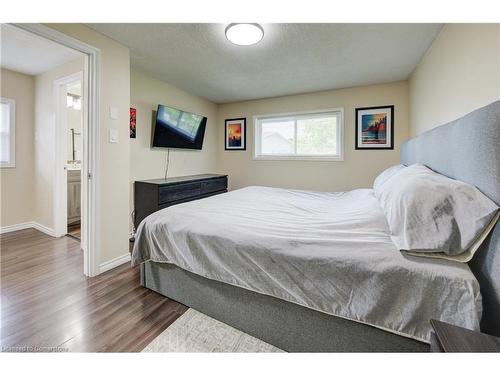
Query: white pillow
[[466, 255], [430, 213], [386, 174]]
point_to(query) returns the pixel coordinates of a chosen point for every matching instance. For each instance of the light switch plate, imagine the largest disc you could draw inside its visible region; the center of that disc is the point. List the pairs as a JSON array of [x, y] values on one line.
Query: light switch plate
[[113, 113], [113, 135]]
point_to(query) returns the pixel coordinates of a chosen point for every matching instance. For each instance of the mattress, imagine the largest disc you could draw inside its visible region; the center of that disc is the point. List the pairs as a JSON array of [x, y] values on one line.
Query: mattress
[[330, 252]]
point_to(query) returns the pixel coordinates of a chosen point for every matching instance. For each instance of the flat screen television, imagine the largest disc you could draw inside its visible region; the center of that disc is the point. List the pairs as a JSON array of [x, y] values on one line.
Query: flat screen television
[[174, 128]]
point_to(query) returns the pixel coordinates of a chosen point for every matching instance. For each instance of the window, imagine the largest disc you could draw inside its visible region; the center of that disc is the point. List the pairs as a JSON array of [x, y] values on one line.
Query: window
[[74, 101], [7, 132], [299, 136]]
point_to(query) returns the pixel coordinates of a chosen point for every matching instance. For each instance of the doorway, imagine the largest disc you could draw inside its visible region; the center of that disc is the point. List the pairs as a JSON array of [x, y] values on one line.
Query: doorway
[[90, 83], [70, 106]]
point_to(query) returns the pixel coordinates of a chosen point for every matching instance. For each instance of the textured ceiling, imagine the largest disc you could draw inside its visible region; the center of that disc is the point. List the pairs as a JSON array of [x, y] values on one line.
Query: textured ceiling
[[29, 54], [291, 59]]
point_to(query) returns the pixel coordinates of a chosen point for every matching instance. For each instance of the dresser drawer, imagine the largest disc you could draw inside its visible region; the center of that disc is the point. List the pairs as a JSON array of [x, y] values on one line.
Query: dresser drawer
[[216, 184], [153, 195], [173, 193]]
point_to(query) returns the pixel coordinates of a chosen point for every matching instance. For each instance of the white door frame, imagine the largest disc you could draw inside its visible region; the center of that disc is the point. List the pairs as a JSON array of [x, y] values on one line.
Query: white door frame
[[61, 151], [90, 136]]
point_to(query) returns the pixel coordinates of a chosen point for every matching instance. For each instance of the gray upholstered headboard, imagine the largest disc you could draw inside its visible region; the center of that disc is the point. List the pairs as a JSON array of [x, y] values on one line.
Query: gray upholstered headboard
[[468, 149]]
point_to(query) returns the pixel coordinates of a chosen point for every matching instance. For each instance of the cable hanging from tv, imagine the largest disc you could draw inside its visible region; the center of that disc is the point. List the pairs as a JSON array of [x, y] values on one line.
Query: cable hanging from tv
[[167, 162]]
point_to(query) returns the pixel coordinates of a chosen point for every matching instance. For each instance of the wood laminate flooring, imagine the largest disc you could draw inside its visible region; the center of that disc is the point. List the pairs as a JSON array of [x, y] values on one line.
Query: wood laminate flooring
[[75, 231], [47, 302]]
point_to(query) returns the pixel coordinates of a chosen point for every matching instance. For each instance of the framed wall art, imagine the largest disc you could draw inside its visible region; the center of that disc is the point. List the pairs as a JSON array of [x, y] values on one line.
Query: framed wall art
[[133, 122], [235, 134], [375, 128]]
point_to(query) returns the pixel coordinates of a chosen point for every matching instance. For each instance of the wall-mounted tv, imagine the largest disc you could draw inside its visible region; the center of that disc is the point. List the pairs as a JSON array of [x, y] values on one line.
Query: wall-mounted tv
[[178, 129]]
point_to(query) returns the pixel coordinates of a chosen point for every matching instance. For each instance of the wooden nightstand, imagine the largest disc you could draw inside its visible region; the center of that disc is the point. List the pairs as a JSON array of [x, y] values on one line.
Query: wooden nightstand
[[449, 338]]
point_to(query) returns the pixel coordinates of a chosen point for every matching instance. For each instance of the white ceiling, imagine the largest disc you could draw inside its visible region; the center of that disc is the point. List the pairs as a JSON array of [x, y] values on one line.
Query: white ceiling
[[29, 54], [291, 59]]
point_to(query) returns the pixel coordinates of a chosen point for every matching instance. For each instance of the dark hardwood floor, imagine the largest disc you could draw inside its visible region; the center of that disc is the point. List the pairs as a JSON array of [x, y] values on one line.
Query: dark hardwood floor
[[74, 231], [47, 302]]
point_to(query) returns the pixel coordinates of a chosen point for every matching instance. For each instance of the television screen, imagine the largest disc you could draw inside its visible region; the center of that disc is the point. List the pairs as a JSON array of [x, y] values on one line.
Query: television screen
[[178, 129]]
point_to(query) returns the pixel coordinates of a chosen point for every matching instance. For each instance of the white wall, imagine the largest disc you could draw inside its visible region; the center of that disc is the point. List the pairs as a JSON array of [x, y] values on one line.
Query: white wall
[[459, 73], [45, 136], [74, 121], [16, 184], [114, 174], [359, 167]]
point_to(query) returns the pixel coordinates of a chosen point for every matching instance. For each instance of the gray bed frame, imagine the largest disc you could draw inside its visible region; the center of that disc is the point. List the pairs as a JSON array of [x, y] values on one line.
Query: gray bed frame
[[466, 149]]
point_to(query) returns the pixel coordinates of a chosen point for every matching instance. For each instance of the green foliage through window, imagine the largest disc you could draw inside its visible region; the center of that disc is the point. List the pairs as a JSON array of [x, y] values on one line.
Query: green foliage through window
[[307, 135]]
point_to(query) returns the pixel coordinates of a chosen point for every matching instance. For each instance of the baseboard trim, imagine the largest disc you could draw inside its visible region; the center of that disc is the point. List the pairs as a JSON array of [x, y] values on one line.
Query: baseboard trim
[[16, 227], [28, 225], [110, 264], [44, 229]]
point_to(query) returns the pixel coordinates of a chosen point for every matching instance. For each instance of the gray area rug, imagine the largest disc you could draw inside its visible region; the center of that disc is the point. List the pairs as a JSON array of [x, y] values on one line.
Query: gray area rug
[[196, 332]]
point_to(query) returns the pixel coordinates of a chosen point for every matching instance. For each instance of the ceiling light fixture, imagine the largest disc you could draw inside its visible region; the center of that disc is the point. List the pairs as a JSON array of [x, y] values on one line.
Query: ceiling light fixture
[[244, 34]]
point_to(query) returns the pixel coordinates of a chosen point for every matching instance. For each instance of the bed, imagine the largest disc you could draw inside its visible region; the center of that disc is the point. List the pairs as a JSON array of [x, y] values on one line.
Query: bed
[[268, 269]]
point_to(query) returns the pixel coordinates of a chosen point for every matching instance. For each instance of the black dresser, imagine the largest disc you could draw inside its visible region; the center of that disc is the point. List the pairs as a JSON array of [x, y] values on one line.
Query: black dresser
[[153, 195]]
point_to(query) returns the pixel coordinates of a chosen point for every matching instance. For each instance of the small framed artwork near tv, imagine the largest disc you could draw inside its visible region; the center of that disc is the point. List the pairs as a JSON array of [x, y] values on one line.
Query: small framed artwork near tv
[[375, 128], [235, 134], [133, 122]]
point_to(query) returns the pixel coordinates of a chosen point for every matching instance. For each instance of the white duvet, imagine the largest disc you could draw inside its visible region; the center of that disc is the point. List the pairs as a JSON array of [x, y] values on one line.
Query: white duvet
[[331, 252]]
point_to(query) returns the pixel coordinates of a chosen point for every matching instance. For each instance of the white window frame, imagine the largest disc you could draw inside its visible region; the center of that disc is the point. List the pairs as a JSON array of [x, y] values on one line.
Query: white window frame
[[257, 130], [12, 133]]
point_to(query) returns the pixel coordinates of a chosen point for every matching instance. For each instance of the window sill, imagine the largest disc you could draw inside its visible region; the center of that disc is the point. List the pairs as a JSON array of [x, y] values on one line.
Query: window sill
[[298, 158]]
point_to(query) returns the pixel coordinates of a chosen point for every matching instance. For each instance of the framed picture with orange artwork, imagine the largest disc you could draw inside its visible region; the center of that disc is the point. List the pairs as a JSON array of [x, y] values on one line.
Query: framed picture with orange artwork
[[235, 134], [375, 128]]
